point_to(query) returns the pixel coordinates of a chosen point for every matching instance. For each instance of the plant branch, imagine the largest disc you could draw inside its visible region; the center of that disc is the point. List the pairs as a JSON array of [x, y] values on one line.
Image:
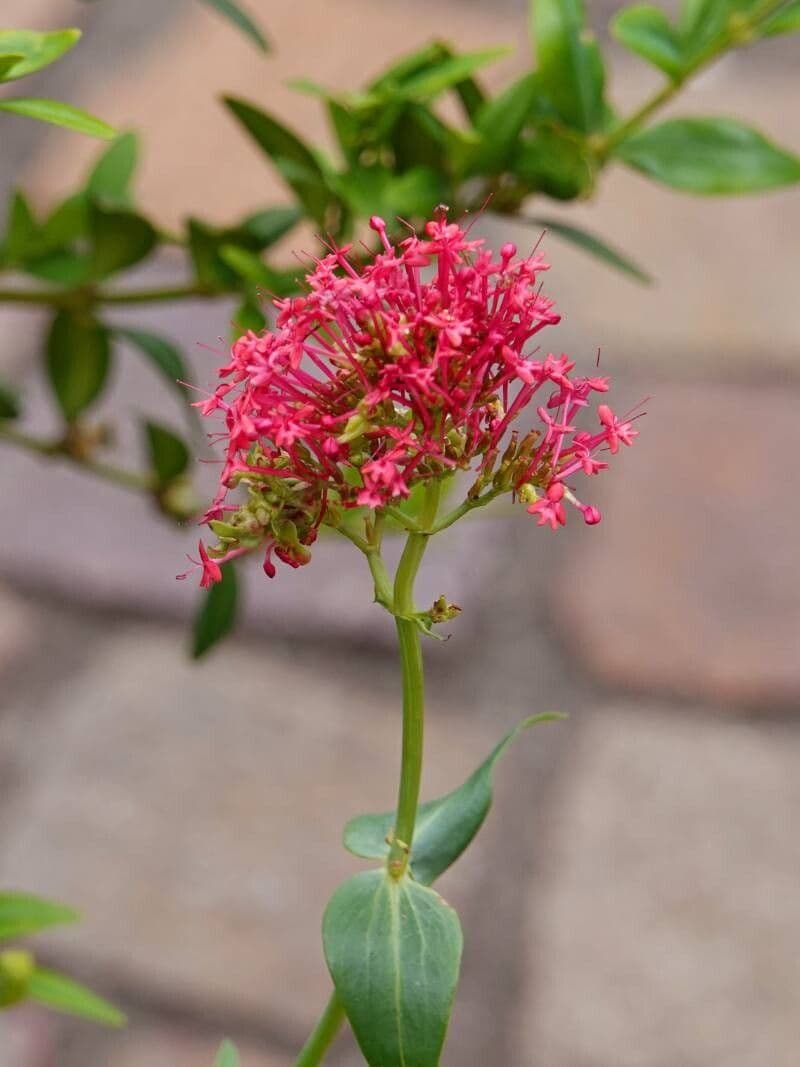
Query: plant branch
[[739, 30], [40, 446]]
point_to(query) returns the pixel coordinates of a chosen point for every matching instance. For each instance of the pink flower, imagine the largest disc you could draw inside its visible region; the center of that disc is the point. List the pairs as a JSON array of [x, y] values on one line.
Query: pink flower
[[380, 377]]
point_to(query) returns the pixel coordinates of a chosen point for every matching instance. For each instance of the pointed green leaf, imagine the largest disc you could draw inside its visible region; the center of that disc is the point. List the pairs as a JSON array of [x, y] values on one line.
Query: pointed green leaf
[[35, 50], [592, 244], [68, 222], [710, 157], [499, 123], [9, 409], [264, 228], [236, 14], [7, 63], [119, 239], [164, 356], [22, 231], [785, 20], [78, 358], [59, 114], [169, 456], [393, 948], [65, 995], [110, 178], [446, 826], [293, 159], [217, 614], [570, 64], [22, 914], [447, 73], [227, 1056], [553, 163], [646, 30]]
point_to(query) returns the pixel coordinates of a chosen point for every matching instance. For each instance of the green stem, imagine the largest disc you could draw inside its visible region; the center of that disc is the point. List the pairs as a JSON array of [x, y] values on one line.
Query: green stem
[[322, 1037], [68, 298], [412, 669], [738, 31], [56, 449]]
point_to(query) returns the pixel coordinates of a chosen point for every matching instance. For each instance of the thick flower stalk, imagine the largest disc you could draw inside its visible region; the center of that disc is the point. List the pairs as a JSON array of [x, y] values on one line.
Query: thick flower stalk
[[384, 378], [414, 367]]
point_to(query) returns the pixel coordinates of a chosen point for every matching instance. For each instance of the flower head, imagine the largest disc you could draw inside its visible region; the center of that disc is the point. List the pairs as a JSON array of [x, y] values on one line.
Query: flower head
[[407, 369]]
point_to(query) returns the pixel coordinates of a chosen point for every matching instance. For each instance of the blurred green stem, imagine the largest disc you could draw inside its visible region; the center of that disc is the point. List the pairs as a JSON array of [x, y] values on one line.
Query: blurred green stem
[[739, 30], [66, 298], [58, 449], [322, 1037]]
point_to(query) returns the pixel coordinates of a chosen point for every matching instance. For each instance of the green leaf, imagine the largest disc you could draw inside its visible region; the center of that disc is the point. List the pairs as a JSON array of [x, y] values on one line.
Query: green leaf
[[7, 63], [119, 239], [447, 73], [446, 826], [710, 156], [22, 914], [163, 354], [786, 20], [227, 1056], [217, 613], [9, 409], [59, 114], [393, 948], [554, 164], [68, 222], [592, 244], [34, 50], [293, 159], [410, 65], [570, 64], [169, 456], [22, 231], [65, 995], [204, 245], [239, 17], [646, 30], [110, 178], [248, 316], [78, 358], [499, 123], [375, 190], [265, 228]]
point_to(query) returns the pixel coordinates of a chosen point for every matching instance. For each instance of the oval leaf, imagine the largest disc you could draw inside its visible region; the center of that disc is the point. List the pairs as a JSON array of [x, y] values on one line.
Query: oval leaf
[[593, 245], [65, 995], [110, 178], [34, 50], [59, 114], [217, 614], [570, 63], [165, 357], [78, 358], [22, 914], [710, 156], [119, 239], [446, 826], [169, 456], [646, 30], [393, 948], [9, 403]]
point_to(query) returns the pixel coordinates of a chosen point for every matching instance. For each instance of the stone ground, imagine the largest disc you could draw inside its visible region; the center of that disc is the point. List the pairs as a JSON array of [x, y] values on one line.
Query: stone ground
[[633, 900]]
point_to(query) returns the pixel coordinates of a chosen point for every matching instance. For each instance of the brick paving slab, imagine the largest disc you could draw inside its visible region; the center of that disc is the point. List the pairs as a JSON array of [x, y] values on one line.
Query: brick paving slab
[[194, 814], [691, 583], [665, 926]]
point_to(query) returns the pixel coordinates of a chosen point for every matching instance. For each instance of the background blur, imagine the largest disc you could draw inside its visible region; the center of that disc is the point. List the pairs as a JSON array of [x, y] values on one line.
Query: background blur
[[634, 899]]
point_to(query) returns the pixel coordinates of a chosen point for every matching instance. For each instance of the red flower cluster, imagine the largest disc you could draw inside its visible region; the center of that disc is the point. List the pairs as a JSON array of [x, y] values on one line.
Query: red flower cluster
[[383, 377]]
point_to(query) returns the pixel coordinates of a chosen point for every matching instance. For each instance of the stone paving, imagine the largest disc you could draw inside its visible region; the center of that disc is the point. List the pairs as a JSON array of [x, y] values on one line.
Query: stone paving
[[633, 898]]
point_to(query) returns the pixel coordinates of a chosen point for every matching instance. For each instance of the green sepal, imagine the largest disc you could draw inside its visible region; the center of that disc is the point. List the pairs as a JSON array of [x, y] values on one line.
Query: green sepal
[[444, 827], [393, 948]]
